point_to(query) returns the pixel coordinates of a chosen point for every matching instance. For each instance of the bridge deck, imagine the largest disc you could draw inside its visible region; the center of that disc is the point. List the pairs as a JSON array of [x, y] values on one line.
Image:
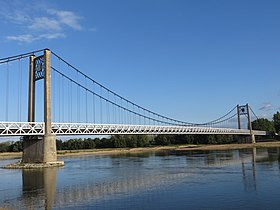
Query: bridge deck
[[37, 128]]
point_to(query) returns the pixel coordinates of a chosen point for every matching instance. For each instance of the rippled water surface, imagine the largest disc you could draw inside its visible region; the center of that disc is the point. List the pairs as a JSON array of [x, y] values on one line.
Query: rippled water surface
[[237, 179]]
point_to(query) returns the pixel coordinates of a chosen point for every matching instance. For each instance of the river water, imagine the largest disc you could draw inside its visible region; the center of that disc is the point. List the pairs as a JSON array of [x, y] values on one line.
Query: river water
[[234, 179]]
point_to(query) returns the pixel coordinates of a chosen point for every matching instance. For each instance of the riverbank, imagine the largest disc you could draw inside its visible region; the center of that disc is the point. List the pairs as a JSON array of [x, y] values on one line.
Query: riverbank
[[109, 151]]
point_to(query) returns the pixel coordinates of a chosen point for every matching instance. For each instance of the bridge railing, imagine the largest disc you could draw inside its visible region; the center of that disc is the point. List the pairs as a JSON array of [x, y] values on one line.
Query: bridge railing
[[21, 128], [37, 128]]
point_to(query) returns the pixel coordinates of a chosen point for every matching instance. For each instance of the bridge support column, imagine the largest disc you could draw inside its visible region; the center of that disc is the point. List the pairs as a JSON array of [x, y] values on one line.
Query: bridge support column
[[40, 149], [245, 110], [50, 148], [253, 138], [250, 125], [238, 116], [49, 138]]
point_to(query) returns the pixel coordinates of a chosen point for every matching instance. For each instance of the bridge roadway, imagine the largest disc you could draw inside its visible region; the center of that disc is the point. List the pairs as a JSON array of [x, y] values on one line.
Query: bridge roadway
[[37, 128]]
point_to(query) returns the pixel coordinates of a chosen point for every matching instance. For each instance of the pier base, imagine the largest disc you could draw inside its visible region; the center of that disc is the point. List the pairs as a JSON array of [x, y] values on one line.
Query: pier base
[[39, 151]]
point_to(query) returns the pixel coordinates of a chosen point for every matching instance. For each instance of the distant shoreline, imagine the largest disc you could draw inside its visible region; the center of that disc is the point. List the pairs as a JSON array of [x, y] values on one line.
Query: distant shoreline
[[110, 151]]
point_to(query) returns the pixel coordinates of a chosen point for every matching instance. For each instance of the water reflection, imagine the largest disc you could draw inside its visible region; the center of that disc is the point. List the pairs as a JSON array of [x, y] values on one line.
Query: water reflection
[[97, 178], [97, 191], [196, 161], [249, 172], [39, 187]]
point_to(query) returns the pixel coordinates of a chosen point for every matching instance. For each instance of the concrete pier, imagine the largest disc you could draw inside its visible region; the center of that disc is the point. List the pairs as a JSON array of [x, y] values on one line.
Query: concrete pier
[[33, 149], [40, 149]]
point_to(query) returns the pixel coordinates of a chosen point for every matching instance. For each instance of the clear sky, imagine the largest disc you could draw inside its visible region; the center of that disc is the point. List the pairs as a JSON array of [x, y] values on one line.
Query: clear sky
[[192, 60]]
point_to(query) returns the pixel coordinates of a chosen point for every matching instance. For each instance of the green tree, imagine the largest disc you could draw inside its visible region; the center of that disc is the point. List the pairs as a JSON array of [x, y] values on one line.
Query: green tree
[[276, 122], [211, 139], [106, 143], [162, 140], [190, 139], [142, 140], [119, 141], [263, 124], [89, 144], [16, 146], [59, 145], [4, 147]]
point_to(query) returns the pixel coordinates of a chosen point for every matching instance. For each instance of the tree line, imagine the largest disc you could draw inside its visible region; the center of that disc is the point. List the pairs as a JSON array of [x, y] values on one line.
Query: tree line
[[11, 146], [131, 141]]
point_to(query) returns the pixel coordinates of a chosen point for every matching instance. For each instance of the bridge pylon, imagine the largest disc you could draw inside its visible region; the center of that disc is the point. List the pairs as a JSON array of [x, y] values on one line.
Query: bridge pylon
[[40, 149], [245, 110]]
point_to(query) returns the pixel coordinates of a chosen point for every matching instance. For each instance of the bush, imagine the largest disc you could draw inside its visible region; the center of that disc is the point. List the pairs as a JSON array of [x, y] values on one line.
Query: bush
[[4, 147]]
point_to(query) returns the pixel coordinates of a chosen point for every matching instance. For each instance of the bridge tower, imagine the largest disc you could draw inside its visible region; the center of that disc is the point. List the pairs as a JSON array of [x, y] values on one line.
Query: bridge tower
[[245, 110], [40, 149]]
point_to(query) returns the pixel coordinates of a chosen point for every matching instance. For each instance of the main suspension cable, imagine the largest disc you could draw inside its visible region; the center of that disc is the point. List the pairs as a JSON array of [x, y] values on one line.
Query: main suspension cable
[[214, 121], [20, 56]]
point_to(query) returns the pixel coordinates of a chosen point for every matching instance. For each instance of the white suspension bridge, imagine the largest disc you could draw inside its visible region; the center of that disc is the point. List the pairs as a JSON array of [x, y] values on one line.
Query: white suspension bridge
[[71, 103]]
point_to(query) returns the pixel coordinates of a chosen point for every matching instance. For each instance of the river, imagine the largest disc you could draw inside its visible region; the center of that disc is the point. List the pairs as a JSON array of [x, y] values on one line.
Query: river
[[232, 179]]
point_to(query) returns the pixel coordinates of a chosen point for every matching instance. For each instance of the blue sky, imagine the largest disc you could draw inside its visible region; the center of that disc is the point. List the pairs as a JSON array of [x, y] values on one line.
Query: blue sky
[[190, 60]]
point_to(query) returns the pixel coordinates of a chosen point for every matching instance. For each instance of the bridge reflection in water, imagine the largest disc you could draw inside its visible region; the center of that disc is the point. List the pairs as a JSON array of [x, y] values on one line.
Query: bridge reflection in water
[[39, 187], [40, 190]]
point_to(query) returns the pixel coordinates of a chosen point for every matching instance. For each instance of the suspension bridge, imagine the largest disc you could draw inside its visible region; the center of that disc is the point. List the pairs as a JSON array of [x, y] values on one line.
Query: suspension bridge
[[44, 96]]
